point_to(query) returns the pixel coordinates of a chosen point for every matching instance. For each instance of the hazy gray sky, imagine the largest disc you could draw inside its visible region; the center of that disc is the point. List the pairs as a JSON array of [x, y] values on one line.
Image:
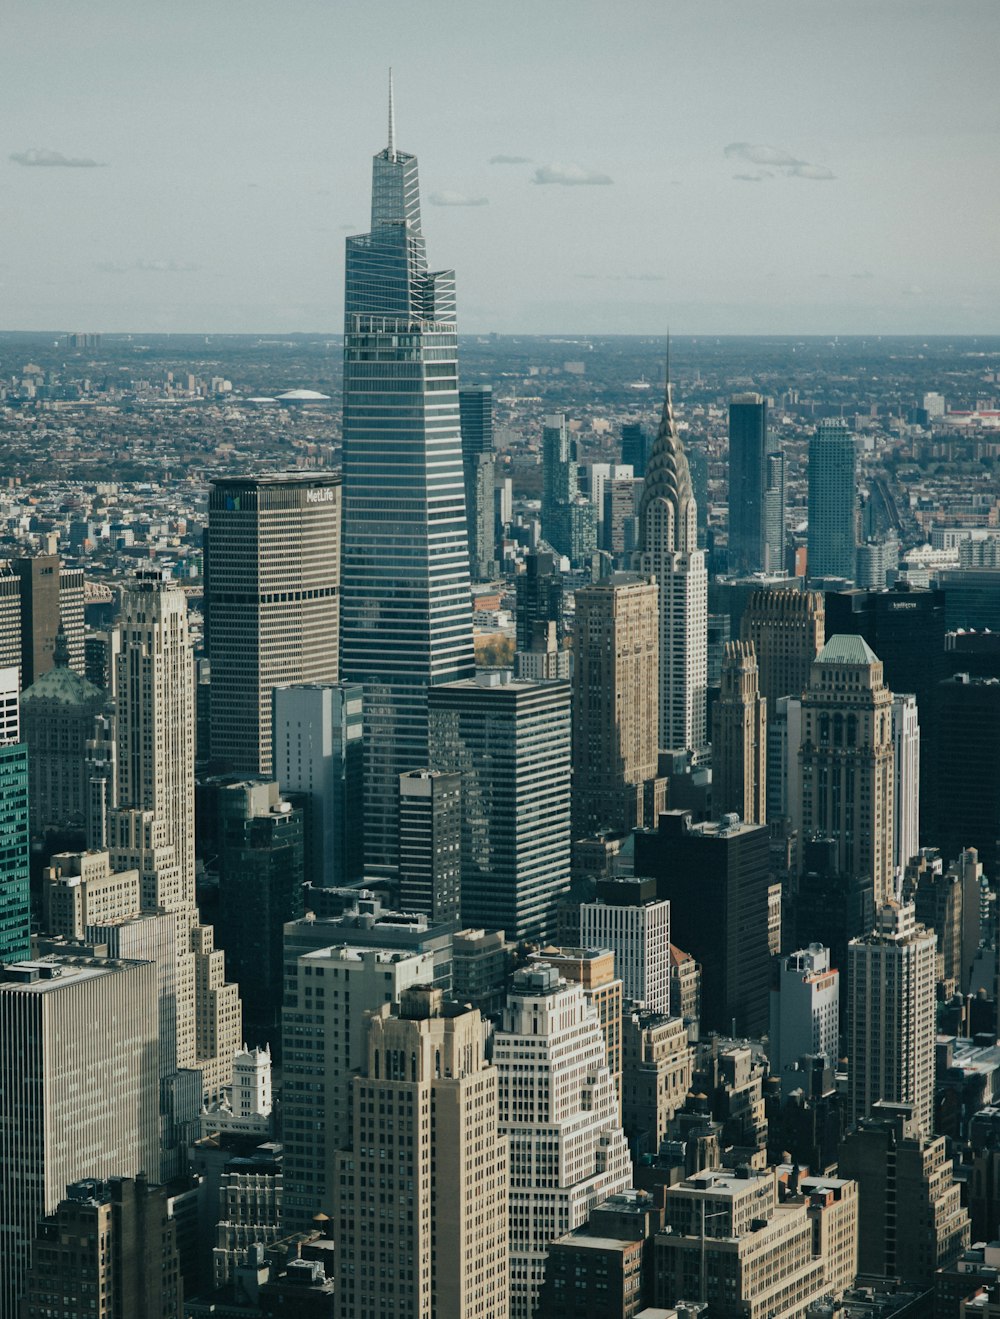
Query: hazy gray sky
[[729, 166]]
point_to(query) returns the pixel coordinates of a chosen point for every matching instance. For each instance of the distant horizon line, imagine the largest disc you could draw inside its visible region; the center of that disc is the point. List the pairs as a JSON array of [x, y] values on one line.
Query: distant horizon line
[[557, 335]]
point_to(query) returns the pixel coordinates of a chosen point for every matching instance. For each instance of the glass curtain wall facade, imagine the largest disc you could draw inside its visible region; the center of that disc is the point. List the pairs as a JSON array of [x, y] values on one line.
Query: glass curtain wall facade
[[406, 616], [832, 501]]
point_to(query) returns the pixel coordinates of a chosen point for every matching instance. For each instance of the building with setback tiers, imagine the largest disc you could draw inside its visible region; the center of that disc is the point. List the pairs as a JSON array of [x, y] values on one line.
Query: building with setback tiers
[[272, 602], [150, 822], [716, 877], [847, 759], [406, 617], [739, 738], [324, 1041], [421, 1223], [911, 1220], [615, 702], [558, 1110], [108, 1251], [668, 550], [730, 1240], [509, 742], [788, 629]]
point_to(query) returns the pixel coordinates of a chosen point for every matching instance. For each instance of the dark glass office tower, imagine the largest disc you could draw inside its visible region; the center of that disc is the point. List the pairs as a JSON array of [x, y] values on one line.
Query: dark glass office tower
[[832, 502], [406, 620], [479, 462], [747, 483], [636, 443]]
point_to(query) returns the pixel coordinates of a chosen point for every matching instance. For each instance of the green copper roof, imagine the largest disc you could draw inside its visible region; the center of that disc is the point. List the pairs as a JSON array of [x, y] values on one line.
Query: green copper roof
[[847, 649], [65, 686]]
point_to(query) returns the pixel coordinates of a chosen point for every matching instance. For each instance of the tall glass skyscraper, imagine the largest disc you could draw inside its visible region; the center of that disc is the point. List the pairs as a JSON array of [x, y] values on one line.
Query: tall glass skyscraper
[[406, 620], [747, 476], [832, 501]]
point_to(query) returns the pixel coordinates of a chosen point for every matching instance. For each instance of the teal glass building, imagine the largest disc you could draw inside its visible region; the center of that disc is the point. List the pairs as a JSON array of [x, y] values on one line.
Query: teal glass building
[[406, 613]]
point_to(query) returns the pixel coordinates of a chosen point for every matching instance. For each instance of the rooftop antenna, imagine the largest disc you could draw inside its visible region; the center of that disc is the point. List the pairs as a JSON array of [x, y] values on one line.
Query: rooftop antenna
[[392, 123]]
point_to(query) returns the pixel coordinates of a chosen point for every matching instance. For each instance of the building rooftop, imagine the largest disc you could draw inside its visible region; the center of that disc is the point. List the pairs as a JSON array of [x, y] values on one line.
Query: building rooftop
[[279, 478], [46, 974], [847, 648], [63, 685]]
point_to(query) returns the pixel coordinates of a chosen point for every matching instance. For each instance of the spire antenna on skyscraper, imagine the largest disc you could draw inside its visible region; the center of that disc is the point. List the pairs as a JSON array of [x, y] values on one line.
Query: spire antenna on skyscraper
[[391, 148]]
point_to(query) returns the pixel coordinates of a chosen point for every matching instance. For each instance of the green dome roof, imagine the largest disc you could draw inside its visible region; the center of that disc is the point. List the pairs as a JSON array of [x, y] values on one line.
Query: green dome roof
[[62, 685]]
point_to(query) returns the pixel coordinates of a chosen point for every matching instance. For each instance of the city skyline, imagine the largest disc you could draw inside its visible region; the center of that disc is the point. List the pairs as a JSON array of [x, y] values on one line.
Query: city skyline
[[794, 216]]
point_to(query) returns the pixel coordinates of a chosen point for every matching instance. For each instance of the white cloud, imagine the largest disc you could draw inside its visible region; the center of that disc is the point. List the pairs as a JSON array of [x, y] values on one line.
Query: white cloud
[[510, 160], [457, 199], [569, 175], [777, 157], [158, 266], [805, 171], [42, 156]]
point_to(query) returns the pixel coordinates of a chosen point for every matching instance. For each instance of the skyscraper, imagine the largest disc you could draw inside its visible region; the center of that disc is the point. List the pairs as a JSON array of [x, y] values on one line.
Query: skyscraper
[[629, 919], [911, 1222], [430, 843], [509, 740], [832, 502], [716, 877], [406, 608], [260, 888], [319, 755], [560, 481], [615, 700], [272, 602], [539, 592], [739, 738], [328, 994], [805, 1015], [668, 538], [15, 902], [891, 1023], [79, 1090], [149, 823], [787, 629], [748, 449], [559, 1110], [50, 595], [906, 792], [635, 446], [965, 804], [479, 461], [774, 512], [847, 759], [441, 1249]]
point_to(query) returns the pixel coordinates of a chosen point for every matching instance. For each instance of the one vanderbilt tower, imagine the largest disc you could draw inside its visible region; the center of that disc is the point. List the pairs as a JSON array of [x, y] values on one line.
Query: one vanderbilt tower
[[406, 621]]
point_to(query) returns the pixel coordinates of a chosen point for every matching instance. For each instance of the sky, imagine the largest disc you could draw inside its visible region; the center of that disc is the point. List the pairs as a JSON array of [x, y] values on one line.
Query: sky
[[718, 166]]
